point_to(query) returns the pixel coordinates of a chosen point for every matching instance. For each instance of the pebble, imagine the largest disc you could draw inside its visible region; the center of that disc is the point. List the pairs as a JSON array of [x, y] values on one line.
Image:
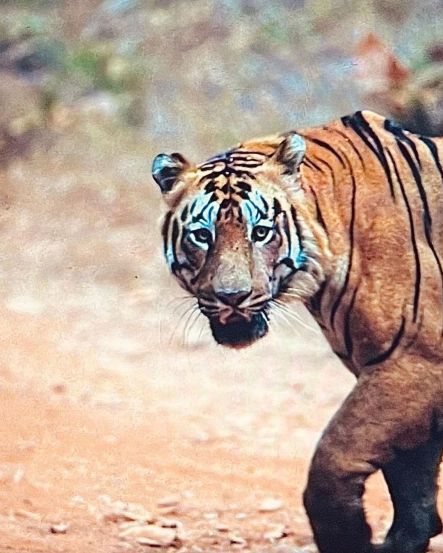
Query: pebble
[[169, 501], [169, 523], [276, 532], [269, 505], [222, 528], [59, 528], [155, 536], [27, 514], [238, 540], [119, 511]]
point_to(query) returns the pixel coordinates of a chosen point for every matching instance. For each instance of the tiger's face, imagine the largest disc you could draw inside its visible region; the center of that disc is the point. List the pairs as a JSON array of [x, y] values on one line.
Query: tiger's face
[[233, 236]]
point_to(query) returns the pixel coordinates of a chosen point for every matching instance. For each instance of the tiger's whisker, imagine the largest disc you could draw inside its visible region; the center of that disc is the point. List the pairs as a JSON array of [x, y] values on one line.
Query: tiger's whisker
[[296, 317]]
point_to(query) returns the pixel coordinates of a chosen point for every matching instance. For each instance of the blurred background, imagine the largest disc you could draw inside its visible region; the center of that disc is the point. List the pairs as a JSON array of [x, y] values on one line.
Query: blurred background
[[112, 390]]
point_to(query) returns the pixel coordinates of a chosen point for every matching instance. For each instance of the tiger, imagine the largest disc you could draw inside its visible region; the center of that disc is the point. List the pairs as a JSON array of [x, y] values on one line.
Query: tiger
[[346, 218]]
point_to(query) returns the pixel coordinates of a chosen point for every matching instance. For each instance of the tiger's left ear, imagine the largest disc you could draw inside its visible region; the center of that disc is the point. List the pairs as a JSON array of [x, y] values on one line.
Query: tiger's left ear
[[290, 152], [166, 170]]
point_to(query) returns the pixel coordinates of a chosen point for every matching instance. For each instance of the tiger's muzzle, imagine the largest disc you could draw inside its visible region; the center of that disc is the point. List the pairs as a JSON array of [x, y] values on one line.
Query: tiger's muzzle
[[236, 320]]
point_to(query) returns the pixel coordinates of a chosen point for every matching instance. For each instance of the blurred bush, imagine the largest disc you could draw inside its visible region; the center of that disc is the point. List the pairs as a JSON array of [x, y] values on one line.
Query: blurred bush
[[413, 95], [201, 75]]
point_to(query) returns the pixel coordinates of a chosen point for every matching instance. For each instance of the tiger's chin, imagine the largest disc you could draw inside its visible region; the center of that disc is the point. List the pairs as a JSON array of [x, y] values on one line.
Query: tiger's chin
[[239, 333]]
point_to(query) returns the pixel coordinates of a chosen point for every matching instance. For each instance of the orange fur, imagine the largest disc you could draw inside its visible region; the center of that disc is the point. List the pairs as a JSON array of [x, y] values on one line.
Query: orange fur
[[355, 209]]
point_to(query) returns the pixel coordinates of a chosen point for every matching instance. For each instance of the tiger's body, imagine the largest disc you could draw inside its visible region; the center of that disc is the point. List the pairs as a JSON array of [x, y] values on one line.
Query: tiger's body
[[347, 218]]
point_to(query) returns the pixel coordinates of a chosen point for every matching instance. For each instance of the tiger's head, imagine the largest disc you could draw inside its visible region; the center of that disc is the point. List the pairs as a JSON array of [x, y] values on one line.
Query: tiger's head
[[237, 234]]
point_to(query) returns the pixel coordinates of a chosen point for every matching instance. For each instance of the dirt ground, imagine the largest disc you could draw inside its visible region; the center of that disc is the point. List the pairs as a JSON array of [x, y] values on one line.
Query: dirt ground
[[115, 405]]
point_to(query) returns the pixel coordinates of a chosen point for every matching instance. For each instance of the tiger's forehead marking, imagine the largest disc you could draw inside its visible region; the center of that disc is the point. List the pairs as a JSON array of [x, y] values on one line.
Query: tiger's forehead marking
[[226, 181]]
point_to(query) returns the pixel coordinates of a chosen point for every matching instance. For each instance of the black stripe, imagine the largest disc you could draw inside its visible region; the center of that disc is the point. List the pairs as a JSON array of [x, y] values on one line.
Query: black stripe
[[348, 141], [351, 249], [347, 326], [315, 300], [289, 263], [328, 165], [297, 227], [330, 168], [259, 210], [165, 230], [395, 342], [174, 239], [242, 185], [427, 220], [184, 213], [434, 152], [197, 217], [362, 128], [288, 232], [326, 146], [189, 252], [398, 132], [310, 164], [417, 283], [277, 207], [210, 187], [319, 214], [243, 153], [245, 174], [350, 121], [241, 164], [213, 175]]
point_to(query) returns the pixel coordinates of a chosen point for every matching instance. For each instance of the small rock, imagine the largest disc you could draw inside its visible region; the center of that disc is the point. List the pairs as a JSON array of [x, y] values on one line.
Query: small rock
[[237, 540], [150, 535], [119, 511], [129, 524], [277, 532], [169, 501], [127, 515], [269, 505], [59, 528], [27, 514], [169, 523], [222, 527]]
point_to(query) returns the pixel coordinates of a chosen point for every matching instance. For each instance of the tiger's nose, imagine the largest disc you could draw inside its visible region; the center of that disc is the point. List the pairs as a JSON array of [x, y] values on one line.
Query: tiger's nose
[[233, 298]]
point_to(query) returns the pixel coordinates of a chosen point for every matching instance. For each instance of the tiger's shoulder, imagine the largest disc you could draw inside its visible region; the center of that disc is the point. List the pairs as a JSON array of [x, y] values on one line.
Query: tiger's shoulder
[[378, 144]]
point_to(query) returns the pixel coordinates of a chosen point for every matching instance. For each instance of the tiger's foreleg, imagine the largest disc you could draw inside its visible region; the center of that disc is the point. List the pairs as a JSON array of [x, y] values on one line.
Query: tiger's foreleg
[[389, 410], [412, 481]]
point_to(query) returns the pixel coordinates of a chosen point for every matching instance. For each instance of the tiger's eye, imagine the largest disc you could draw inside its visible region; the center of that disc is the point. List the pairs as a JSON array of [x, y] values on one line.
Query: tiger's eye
[[260, 233], [203, 235]]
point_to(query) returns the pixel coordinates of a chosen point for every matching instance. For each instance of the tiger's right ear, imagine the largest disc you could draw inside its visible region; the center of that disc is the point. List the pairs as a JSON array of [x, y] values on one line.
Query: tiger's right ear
[[290, 152], [166, 170]]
